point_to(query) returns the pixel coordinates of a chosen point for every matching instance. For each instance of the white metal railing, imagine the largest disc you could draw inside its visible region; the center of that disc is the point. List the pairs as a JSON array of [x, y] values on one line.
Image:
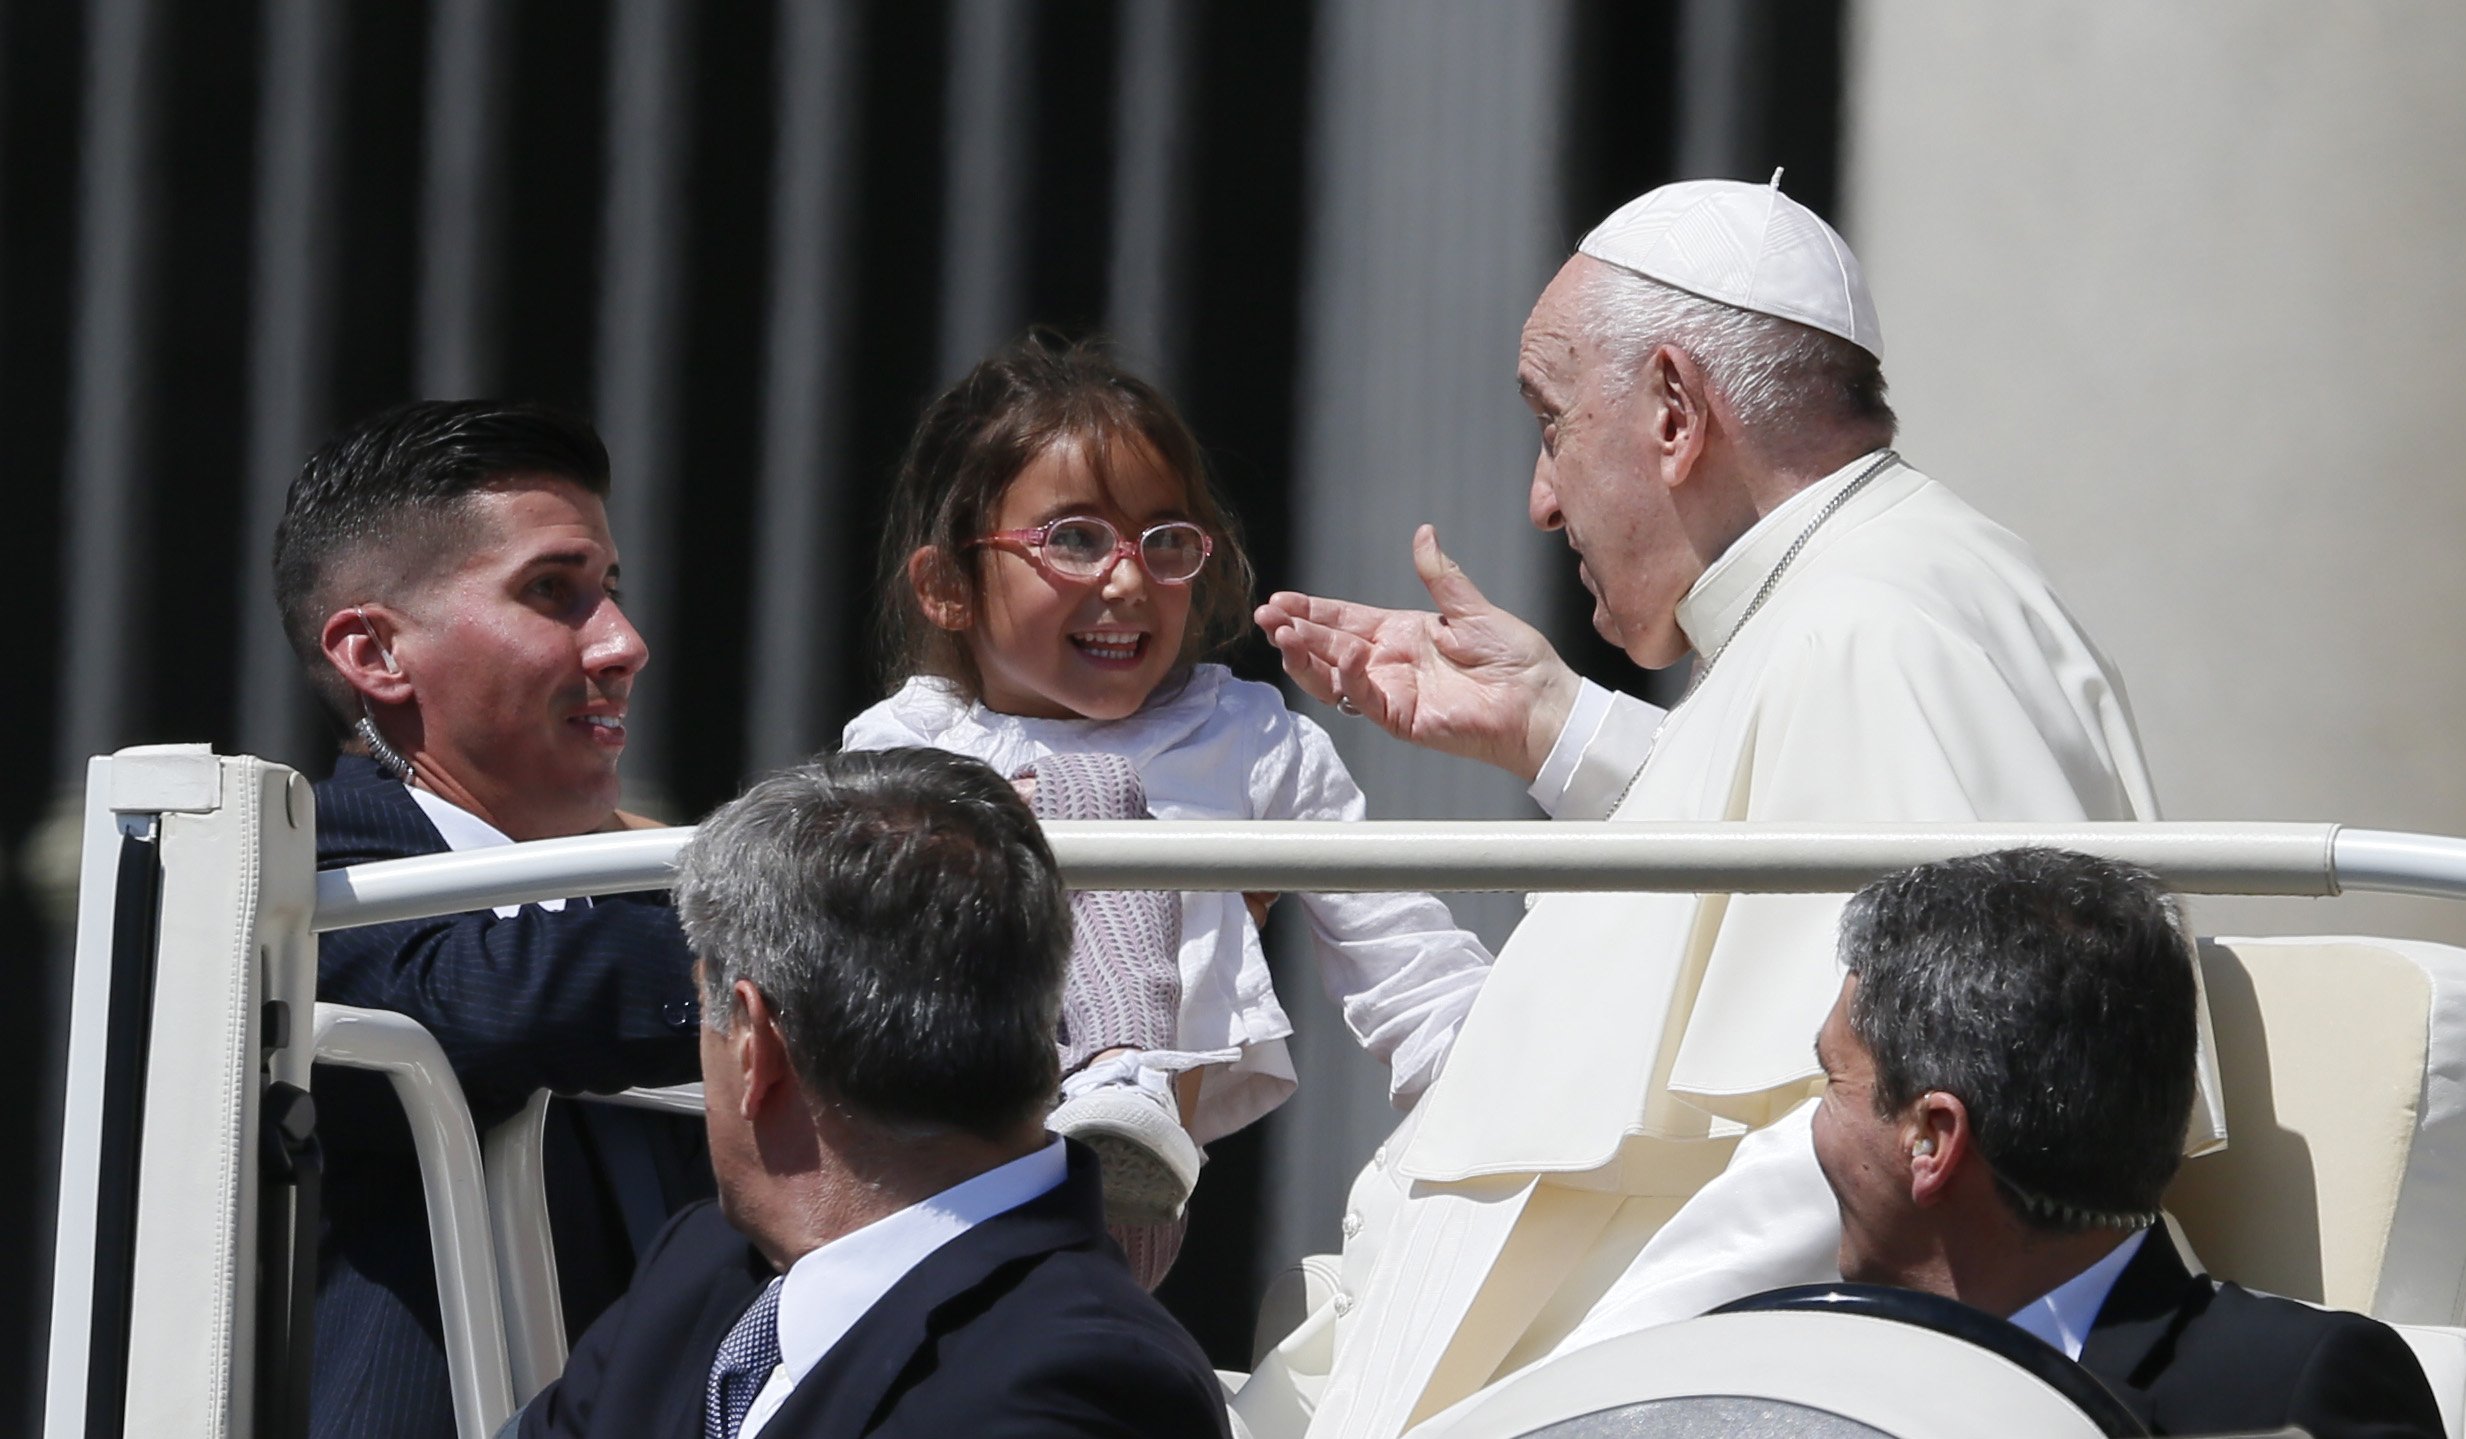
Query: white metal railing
[[503, 1355], [536, 1340], [451, 1181], [685, 1099], [517, 1185], [487, 1210], [2195, 857], [2379, 861]]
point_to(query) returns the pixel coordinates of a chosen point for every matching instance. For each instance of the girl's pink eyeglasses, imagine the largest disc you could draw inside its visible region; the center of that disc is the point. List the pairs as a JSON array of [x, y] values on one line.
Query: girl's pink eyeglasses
[[1085, 547]]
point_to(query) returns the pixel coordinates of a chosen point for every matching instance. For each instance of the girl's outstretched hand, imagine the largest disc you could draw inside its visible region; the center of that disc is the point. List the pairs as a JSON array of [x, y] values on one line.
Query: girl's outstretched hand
[[1470, 679]]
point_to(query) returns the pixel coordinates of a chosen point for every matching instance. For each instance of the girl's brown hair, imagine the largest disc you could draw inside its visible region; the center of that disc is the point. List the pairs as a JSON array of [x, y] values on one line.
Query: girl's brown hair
[[977, 436]]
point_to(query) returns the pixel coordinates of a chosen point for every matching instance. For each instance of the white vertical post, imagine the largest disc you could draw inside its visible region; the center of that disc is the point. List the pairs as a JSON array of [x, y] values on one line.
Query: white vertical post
[[1720, 89], [458, 197], [1149, 134], [105, 579], [290, 343], [650, 117], [794, 662], [69, 1373], [984, 179], [1433, 226], [163, 1138]]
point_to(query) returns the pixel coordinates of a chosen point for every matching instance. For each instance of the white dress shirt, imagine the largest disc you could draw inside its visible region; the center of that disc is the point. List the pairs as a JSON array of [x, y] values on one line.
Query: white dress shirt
[[1218, 747], [2063, 1315], [833, 1287], [462, 830], [1583, 726]]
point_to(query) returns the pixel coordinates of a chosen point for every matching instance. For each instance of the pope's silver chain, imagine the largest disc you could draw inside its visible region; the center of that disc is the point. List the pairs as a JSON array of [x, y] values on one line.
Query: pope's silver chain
[[1771, 581]]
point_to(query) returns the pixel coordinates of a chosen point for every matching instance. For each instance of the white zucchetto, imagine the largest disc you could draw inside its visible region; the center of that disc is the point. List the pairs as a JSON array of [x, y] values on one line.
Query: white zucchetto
[[1745, 245]]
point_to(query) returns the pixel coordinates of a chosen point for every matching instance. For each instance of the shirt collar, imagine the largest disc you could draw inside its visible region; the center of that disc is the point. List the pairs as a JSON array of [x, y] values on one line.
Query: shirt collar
[[460, 828], [833, 1287], [463, 830], [1715, 605], [2063, 1315]]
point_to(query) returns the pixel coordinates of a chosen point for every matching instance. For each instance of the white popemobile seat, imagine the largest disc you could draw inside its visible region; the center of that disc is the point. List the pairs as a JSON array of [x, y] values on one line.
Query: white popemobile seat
[[2344, 1179]]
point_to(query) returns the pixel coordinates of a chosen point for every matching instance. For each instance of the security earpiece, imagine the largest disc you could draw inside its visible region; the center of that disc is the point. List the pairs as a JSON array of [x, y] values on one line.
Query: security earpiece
[[1921, 1148], [383, 653]]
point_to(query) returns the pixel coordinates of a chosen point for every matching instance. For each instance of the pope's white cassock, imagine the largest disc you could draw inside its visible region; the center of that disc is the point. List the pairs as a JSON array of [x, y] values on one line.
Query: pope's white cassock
[[1912, 664]]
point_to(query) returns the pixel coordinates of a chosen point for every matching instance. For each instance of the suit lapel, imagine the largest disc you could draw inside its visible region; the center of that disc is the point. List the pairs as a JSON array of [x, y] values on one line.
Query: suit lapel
[[2134, 1335], [364, 813], [842, 1393]]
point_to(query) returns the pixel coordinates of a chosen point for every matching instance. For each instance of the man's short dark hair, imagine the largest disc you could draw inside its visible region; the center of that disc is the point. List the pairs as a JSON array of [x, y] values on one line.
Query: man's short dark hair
[[382, 506], [902, 915], [2055, 995]]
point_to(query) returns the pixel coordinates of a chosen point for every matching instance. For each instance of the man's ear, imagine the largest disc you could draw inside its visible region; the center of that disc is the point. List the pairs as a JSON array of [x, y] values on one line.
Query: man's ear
[[1940, 1144], [941, 591], [1677, 410], [358, 642], [760, 1051]]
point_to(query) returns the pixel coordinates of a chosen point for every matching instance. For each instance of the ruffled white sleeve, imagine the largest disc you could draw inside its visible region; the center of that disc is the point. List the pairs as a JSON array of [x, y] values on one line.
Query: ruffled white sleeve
[[1398, 965]]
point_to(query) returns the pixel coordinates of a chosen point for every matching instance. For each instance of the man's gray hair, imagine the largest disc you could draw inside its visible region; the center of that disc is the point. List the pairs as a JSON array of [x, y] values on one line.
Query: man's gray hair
[[1796, 390], [2055, 995], [902, 916]]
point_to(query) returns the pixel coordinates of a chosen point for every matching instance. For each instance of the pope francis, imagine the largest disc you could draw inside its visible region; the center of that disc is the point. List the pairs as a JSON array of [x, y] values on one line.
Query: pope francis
[[1619, 1139]]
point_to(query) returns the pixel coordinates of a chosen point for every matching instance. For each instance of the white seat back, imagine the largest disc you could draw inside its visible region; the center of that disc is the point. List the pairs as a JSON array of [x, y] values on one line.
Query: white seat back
[[2344, 1064]]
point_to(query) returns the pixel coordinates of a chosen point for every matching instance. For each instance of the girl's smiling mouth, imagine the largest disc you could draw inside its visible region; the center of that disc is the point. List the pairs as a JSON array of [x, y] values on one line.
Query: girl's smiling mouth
[[1111, 647]]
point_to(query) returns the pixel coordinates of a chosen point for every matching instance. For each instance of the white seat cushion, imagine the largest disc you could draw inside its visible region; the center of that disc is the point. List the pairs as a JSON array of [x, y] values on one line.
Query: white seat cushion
[[2344, 1065]]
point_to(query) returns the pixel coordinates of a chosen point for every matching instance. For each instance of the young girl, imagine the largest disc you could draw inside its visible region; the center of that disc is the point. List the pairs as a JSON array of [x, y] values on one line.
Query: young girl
[[1054, 570]]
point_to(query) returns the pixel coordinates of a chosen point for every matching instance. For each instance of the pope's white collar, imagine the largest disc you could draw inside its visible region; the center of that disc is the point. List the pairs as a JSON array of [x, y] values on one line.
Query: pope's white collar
[[1711, 610]]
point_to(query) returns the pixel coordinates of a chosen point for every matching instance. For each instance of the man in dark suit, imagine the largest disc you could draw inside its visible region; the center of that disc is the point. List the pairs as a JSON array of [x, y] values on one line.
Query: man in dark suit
[[898, 1248], [2008, 1077], [447, 577]]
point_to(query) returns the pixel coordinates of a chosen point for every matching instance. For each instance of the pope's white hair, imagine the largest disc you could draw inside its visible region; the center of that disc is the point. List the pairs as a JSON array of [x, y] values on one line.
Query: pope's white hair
[[1792, 386]]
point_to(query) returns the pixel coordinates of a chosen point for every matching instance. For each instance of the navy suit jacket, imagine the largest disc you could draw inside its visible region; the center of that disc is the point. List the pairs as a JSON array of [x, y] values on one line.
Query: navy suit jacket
[[2190, 1355], [596, 997], [1028, 1326]]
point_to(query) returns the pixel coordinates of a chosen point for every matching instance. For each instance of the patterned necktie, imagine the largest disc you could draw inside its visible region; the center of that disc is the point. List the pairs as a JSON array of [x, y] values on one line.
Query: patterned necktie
[[742, 1366]]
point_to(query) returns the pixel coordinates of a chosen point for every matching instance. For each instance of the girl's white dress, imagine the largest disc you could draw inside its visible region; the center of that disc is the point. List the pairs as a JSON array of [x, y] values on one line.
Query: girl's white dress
[[1216, 747]]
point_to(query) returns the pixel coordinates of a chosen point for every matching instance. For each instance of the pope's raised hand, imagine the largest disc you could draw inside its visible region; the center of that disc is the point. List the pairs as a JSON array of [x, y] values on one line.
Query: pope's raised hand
[[1469, 679]]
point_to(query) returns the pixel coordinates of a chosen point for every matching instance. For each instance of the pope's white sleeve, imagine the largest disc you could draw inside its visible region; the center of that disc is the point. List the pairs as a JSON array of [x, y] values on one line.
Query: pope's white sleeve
[[1607, 737], [1400, 968]]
